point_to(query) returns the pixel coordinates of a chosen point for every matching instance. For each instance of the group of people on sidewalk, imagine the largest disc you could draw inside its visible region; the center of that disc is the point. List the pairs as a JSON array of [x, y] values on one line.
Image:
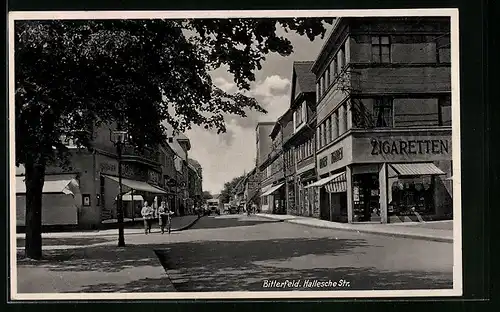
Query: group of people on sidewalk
[[163, 213]]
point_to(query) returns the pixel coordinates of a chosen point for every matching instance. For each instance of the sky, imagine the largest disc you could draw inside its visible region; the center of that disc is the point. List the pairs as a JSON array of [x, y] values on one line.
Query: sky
[[226, 156]]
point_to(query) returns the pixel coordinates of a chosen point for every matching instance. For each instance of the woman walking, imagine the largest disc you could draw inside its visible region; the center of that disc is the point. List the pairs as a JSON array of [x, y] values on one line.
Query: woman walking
[[147, 213]]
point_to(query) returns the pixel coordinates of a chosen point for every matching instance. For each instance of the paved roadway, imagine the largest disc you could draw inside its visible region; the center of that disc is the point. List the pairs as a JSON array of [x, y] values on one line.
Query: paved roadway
[[237, 252]]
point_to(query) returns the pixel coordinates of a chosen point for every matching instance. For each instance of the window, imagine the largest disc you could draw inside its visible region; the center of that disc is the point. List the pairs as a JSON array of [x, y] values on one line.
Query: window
[[299, 115], [318, 90], [328, 130], [318, 137], [323, 136], [333, 70], [382, 111], [341, 59], [445, 111], [327, 78], [322, 84], [335, 125], [443, 53], [381, 49]]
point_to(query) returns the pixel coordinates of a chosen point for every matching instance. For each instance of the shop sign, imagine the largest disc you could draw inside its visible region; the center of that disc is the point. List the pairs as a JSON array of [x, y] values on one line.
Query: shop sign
[[409, 147], [337, 155], [323, 162]]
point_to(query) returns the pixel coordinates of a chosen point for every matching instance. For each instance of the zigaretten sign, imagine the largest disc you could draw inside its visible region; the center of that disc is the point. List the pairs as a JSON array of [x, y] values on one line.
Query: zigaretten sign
[[402, 148]]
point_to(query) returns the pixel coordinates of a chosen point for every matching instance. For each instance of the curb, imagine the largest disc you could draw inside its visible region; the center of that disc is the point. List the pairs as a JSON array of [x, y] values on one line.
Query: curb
[[368, 231], [163, 266], [187, 226], [401, 235]]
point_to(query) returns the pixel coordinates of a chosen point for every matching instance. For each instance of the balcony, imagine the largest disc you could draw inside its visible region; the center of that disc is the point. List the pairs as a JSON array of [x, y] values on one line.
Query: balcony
[[147, 154]]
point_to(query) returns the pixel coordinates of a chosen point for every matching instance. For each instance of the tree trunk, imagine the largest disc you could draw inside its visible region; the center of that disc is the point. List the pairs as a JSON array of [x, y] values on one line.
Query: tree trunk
[[35, 178]]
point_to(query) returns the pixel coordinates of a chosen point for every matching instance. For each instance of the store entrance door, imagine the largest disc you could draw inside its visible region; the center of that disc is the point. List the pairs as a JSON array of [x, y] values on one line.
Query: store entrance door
[[366, 195]]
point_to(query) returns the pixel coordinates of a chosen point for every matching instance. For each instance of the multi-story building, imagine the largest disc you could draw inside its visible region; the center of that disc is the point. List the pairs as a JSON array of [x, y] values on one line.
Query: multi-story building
[[195, 182], [302, 138], [84, 194], [263, 150], [383, 136], [274, 193], [251, 189]]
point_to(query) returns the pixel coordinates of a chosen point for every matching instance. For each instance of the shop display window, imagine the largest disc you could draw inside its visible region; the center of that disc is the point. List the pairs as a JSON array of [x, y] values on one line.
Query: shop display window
[[411, 194]]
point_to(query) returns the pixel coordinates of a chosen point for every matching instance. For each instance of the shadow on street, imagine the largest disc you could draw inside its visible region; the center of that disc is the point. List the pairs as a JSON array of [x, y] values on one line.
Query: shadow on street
[[236, 266], [70, 241], [228, 221]]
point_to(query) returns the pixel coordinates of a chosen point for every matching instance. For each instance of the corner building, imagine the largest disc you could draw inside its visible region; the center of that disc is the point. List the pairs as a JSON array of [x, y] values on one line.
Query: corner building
[[383, 121]]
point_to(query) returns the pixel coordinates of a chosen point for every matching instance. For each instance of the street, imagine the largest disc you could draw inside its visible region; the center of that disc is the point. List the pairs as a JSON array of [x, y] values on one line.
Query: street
[[232, 253], [237, 253]]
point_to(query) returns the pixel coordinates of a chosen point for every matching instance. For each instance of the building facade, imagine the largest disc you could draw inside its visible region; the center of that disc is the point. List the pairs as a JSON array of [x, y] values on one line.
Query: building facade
[[302, 139], [84, 194], [383, 133], [263, 170]]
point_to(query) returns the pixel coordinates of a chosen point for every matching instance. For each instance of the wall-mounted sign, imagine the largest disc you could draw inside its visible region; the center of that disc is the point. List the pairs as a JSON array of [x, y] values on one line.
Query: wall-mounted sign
[[409, 147], [86, 200], [323, 162], [337, 155]]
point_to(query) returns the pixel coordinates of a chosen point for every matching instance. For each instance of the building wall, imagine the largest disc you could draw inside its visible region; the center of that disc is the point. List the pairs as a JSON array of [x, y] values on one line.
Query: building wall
[[264, 141]]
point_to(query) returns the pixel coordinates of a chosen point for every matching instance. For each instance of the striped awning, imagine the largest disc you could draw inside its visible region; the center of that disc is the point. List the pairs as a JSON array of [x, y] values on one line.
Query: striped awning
[[416, 169], [137, 185], [272, 190], [324, 181], [338, 184]]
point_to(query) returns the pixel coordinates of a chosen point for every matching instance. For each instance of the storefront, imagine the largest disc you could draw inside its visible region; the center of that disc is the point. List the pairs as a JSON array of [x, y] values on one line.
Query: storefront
[[273, 198], [387, 177], [306, 197], [61, 200]]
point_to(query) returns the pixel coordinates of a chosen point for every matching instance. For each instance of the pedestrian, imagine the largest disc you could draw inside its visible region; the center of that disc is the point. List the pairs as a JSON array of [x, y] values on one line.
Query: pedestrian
[[162, 216], [147, 213]]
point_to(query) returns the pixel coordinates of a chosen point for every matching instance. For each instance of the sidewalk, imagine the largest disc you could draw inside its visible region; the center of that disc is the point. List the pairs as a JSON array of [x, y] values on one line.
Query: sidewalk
[[408, 230], [178, 224], [93, 268]]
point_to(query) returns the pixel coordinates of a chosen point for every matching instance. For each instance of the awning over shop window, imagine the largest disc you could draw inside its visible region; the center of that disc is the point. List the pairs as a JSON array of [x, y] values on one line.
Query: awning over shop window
[[128, 197], [55, 184], [416, 169], [272, 190], [338, 184], [138, 185], [337, 177]]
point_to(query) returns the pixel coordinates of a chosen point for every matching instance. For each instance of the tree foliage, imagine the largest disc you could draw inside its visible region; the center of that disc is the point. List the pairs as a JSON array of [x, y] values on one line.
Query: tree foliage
[[227, 192], [71, 75]]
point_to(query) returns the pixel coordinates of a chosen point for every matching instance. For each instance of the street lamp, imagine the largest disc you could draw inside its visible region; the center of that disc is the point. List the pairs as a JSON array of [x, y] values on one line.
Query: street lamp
[[119, 137]]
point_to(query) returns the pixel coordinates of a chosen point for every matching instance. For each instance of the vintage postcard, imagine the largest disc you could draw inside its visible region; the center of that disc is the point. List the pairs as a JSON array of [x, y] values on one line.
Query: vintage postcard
[[235, 154]]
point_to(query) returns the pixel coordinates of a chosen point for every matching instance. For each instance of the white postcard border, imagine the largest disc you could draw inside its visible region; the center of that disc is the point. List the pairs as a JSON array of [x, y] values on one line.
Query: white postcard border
[[457, 200]]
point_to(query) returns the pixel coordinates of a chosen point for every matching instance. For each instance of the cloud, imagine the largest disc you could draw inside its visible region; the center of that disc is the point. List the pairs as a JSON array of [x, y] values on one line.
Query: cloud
[[224, 84], [271, 83]]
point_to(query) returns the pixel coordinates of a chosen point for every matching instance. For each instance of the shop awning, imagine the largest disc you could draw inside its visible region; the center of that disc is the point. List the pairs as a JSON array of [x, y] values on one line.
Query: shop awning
[[272, 190], [55, 184], [416, 169], [138, 185], [338, 184], [337, 177], [128, 197]]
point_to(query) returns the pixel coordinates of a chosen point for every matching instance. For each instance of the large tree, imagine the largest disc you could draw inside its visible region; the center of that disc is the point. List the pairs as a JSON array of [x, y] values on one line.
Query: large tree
[[72, 75]]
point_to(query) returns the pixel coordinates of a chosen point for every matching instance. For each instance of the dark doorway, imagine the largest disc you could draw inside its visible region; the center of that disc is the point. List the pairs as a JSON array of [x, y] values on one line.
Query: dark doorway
[[366, 194]]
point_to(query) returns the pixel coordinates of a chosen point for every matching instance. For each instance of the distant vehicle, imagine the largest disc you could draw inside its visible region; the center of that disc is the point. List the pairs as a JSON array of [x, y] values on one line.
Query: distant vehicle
[[213, 207]]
